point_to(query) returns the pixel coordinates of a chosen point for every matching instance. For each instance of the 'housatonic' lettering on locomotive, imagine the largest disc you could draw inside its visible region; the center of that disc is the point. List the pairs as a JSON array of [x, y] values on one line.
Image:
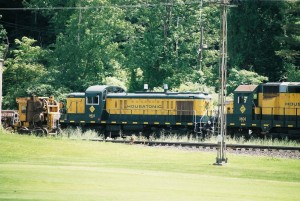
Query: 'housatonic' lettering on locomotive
[[291, 104], [143, 107]]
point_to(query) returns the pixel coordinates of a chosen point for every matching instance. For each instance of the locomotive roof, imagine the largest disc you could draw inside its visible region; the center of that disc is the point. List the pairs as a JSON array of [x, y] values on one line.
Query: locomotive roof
[[281, 87], [170, 95], [282, 83], [101, 88], [76, 94], [245, 88]]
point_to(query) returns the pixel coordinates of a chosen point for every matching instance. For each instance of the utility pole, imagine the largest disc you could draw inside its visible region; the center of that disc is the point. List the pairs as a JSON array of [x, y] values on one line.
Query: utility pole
[[221, 155], [200, 51], [1, 73]]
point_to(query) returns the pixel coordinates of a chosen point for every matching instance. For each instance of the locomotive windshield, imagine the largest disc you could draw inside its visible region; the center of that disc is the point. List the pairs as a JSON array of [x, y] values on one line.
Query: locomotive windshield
[[242, 99], [92, 100]]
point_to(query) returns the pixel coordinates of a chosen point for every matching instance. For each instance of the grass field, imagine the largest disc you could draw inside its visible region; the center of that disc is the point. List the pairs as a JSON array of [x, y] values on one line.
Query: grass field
[[33, 168]]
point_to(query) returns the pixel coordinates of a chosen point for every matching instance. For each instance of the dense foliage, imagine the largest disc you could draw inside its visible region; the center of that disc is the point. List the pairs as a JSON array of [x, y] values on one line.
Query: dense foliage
[[129, 43], [3, 42], [252, 28], [290, 41]]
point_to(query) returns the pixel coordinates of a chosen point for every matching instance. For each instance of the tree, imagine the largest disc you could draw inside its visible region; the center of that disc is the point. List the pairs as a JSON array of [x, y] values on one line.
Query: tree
[[292, 73], [237, 77], [57, 18], [166, 42], [252, 28], [162, 41], [24, 72], [290, 42], [90, 48], [3, 42]]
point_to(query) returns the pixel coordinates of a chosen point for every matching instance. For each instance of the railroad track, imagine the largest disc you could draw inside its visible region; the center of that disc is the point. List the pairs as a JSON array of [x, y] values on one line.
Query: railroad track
[[273, 151]]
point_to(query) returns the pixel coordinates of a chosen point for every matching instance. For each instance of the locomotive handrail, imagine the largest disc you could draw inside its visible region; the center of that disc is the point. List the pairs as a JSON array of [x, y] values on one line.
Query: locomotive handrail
[[279, 108], [150, 110], [195, 120], [200, 128], [286, 112]]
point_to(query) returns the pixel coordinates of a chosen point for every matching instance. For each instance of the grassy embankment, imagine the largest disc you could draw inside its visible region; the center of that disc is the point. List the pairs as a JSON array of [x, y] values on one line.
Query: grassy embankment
[[33, 168]]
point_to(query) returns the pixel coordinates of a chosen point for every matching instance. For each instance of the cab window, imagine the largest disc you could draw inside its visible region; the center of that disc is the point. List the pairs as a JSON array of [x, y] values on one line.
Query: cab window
[[242, 99], [104, 95], [92, 100]]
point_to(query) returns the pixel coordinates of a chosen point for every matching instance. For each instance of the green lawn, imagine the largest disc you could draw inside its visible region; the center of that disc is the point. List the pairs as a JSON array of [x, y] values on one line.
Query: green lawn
[[33, 168]]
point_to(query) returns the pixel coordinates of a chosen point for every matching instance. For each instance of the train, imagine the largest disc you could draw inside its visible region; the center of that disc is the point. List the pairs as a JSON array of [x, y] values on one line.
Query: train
[[114, 112], [269, 109]]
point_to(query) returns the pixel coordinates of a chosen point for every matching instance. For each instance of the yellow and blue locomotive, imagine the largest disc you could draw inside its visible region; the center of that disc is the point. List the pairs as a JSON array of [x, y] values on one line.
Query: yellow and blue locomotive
[[112, 110], [269, 109]]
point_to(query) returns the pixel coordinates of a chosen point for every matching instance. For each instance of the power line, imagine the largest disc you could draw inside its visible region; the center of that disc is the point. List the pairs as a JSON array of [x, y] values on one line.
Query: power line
[[24, 27], [110, 6], [146, 5]]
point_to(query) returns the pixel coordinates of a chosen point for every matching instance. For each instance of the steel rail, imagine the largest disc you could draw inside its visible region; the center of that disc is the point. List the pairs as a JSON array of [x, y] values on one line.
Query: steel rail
[[202, 144]]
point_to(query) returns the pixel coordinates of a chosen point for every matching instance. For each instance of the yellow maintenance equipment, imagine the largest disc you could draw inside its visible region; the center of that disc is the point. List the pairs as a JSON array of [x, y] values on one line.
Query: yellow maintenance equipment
[[39, 115]]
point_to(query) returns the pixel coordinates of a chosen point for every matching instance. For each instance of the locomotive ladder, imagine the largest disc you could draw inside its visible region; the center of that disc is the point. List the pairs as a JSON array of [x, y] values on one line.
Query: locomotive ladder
[[196, 130], [200, 121]]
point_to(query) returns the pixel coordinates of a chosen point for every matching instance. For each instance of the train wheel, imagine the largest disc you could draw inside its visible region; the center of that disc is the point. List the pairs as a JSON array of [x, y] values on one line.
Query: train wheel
[[152, 136], [121, 133], [39, 132], [147, 134], [46, 132], [24, 130], [59, 132], [162, 133], [191, 135], [101, 132], [107, 135]]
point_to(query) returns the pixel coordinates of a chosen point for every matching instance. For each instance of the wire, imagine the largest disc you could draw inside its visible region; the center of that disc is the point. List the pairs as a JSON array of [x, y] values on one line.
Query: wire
[[29, 28], [110, 6], [134, 5]]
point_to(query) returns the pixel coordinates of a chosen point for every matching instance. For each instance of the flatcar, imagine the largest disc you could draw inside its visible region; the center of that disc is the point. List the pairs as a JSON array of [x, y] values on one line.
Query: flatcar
[[266, 109], [114, 112]]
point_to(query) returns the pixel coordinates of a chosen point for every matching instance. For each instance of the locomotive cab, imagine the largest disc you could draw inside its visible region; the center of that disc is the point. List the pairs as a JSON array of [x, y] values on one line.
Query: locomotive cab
[[94, 102], [89, 107], [270, 109], [245, 111]]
